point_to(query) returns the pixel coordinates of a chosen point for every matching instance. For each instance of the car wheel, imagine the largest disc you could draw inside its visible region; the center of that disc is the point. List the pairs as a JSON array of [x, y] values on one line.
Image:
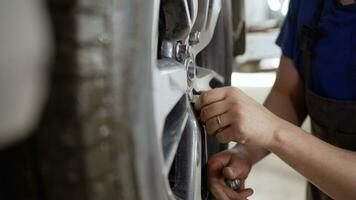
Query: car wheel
[[119, 121]]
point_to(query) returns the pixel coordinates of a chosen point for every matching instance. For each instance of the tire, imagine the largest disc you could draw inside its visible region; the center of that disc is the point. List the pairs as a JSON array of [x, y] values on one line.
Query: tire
[[107, 131], [80, 149]]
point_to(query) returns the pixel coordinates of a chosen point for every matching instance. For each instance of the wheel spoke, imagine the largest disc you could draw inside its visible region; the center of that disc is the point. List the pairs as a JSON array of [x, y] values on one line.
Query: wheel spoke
[[171, 105], [207, 31], [193, 9], [172, 132], [202, 15], [189, 156], [170, 83]]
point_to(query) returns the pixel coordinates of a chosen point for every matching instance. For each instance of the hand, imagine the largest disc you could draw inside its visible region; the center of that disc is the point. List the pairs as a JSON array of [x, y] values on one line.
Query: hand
[[230, 165], [231, 115]]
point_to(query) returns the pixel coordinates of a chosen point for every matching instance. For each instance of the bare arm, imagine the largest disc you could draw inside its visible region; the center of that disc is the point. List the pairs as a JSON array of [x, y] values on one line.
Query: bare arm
[[285, 100], [330, 168]]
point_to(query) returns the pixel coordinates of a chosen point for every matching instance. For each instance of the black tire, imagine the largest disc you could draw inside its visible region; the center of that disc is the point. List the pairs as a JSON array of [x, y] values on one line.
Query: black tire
[[73, 153]]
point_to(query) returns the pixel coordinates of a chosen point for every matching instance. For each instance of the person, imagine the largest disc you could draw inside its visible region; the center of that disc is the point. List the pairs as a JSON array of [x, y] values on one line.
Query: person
[[317, 76]]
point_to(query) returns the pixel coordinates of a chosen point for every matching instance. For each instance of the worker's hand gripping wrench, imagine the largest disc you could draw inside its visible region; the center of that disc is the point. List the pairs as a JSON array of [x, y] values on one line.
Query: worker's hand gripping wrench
[[202, 82]]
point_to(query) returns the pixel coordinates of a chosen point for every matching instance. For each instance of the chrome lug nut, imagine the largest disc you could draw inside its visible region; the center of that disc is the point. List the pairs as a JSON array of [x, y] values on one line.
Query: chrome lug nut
[[167, 49], [194, 38], [182, 51], [233, 184]]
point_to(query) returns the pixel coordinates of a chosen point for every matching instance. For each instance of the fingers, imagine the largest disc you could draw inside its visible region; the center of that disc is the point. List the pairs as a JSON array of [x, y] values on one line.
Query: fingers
[[217, 163], [210, 97], [234, 170], [227, 165], [226, 135], [218, 193], [229, 173], [224, 165], [222, 192], [213, 110], [217, 123]]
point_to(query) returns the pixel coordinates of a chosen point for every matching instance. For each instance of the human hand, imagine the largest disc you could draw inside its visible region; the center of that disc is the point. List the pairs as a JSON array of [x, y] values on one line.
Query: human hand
[[228, 165], [231, 115]]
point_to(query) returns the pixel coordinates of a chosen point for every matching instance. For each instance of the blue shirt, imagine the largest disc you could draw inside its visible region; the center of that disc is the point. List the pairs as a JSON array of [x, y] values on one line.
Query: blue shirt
[[333, 71]]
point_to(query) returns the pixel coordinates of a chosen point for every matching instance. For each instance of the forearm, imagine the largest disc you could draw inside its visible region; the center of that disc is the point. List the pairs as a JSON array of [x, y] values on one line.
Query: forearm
[[284, 107], [252, 153], [330, 168], [281, 106]]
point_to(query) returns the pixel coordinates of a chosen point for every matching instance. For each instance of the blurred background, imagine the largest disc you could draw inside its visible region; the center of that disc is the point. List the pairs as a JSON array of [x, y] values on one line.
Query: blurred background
[[255, 73]]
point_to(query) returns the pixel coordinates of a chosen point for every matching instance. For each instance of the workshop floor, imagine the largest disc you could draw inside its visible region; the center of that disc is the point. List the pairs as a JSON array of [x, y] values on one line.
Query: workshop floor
[[271, 178]]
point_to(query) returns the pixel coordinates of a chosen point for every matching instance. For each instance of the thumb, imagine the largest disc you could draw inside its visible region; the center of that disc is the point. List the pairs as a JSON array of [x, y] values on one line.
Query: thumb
[[229, 173], [236, 169]]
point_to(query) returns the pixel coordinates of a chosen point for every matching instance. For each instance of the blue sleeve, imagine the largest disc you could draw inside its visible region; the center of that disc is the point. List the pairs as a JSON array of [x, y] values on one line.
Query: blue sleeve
[[288, 37]]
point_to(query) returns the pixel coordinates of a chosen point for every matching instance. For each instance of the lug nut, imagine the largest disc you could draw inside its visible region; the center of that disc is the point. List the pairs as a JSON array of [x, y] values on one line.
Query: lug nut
[[167, 49], [233, 184], [182, 51], [194, 38]]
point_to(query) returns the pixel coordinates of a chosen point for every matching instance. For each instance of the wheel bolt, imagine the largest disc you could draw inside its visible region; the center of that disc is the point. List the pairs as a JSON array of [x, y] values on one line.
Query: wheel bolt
[[194, 38], [182, 51]]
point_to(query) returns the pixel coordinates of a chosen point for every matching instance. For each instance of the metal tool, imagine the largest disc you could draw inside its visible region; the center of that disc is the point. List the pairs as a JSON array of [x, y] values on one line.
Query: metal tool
[[233, 184], [203, 78], [200, 82], [195, 98]]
